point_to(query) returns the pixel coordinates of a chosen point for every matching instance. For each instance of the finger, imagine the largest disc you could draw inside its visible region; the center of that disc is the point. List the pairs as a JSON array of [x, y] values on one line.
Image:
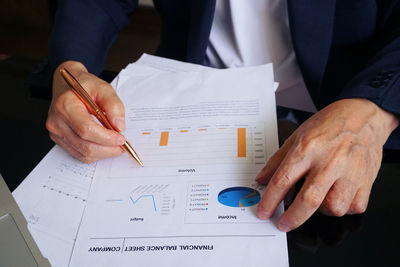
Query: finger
[[360, 201], [112, 105], [287, 174], [82, 123], [361, 198], [306, 202], [273, 163], [91, 150], [337, 201], [59, 141], [88, 151]]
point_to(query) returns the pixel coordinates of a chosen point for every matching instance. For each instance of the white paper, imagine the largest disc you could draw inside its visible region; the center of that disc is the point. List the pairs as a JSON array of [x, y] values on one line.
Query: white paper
[[52, 198], [194, 202], [149, 65]]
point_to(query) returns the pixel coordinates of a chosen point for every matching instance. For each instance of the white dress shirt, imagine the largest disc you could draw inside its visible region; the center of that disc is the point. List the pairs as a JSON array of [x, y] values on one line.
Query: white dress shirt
[[255, 32]]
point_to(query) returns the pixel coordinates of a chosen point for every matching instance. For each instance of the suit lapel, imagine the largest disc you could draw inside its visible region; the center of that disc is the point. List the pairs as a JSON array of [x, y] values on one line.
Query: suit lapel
[[311, 25]]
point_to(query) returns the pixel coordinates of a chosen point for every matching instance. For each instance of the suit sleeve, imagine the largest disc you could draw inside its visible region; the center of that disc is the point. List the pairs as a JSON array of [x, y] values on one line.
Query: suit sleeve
[[379, 81], [83, 31]]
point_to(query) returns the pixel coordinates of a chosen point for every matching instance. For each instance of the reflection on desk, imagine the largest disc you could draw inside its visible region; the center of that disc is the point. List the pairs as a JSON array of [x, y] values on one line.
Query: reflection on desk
[[370, 239]]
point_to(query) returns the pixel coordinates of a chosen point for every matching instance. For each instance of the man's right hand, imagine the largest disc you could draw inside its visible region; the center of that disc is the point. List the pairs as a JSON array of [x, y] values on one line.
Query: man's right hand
[[70, 124]]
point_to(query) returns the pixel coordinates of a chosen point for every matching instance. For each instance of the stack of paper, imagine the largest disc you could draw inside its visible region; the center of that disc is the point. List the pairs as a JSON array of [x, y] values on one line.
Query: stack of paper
[[203, 135]]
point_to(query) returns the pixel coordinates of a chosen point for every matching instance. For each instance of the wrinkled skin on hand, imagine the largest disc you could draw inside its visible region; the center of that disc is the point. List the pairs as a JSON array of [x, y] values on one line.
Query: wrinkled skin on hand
[[338, 151], [72, 127]]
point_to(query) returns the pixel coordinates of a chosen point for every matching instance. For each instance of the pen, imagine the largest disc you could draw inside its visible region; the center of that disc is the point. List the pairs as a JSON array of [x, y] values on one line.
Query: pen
[[95, 109]]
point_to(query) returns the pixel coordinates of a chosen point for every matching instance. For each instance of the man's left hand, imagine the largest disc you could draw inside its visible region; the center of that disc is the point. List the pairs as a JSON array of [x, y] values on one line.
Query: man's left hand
[[338, 151]]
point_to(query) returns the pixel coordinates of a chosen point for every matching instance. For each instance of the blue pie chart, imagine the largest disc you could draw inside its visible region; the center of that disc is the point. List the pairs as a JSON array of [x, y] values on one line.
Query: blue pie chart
[[239, 197]]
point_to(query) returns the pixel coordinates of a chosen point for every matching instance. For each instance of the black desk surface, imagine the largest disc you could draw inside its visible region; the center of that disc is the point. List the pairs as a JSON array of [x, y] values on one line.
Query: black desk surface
[[371, 239]]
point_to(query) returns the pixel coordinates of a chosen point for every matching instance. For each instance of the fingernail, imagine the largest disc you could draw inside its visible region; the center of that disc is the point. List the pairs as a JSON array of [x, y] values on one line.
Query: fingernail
[[263, 215], [120, 123], [283, 227], [258, 177]]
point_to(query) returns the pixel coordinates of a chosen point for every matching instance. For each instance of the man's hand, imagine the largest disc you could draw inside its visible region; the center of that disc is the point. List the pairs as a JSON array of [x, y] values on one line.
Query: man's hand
[[72, 127], [338, 151]]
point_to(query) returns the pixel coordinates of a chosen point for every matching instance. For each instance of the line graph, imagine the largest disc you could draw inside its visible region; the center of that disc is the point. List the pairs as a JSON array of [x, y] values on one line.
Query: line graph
[[141, 203], [151, 197], [143, 196]]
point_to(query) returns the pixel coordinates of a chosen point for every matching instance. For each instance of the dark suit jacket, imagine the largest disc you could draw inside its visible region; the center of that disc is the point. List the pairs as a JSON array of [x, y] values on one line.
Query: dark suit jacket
[[345, 48]]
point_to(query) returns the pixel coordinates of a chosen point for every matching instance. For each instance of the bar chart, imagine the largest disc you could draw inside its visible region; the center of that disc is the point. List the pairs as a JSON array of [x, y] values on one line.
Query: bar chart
[[200, 145]]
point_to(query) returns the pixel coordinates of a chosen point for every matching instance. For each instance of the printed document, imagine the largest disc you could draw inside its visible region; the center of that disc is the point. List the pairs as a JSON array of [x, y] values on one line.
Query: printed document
[[203, 135], [52, 198]]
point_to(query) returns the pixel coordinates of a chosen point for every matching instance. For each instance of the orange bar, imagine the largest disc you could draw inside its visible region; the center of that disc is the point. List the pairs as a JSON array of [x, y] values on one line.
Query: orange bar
[[241, 142], [202, 129], [164, 138], [183, 131], [146, 133]]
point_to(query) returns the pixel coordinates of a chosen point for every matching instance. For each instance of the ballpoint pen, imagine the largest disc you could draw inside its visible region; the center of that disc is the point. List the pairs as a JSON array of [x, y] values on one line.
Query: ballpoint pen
[[95, 109]]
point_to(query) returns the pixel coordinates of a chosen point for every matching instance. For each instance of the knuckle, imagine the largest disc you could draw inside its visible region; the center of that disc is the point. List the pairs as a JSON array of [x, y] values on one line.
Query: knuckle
[[286, 142], [50, 125], [281, 182], [84, 131], [307, 142], [59, 105], [312, 199], [336, 209]]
